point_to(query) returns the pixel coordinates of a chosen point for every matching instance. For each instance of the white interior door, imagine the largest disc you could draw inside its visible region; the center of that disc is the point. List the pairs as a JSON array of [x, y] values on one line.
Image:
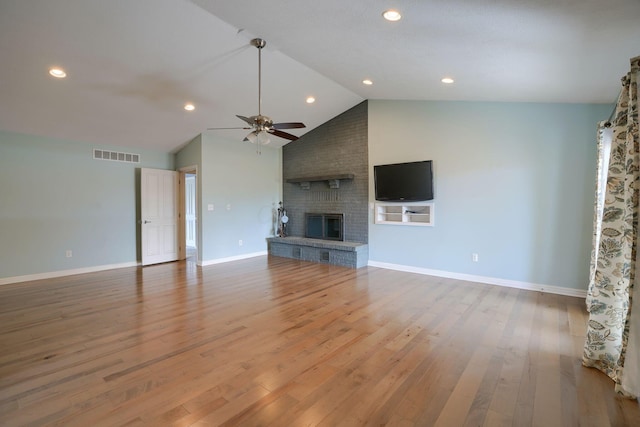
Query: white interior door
[[190, 210], [159, 215]]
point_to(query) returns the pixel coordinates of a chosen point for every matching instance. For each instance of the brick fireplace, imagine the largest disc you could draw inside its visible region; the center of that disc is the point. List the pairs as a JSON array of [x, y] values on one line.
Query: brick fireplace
[[327, 171]]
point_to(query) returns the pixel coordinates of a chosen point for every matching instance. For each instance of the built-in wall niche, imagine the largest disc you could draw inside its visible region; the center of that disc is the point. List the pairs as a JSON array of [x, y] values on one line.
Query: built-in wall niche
[[416, 213]]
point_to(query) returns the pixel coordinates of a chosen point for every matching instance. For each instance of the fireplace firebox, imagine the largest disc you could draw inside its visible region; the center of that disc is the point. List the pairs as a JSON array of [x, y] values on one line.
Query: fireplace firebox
[[324, 226]]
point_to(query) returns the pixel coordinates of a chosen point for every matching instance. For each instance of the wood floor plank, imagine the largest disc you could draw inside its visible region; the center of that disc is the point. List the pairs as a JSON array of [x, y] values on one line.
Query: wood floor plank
[[512, 349], [548, 393], [275, 341]]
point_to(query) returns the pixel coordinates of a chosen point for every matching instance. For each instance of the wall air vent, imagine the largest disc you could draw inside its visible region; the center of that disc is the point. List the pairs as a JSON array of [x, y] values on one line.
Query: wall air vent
[[116, 156]]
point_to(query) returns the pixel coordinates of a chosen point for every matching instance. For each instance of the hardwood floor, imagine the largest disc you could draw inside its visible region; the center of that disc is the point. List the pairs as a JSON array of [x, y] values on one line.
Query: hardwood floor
[[274, 341]]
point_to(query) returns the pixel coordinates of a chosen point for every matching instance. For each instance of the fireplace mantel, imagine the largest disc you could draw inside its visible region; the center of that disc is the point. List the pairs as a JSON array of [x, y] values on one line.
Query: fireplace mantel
[[332, 180]]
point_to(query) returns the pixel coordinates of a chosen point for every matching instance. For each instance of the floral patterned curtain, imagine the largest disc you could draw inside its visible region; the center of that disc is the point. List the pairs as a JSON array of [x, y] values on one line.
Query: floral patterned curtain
[[610, 292], [604, 149]]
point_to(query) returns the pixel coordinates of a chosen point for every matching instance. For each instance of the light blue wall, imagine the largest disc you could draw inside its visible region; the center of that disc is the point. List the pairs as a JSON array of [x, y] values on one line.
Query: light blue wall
[[514, 183], [234, 174], [54, 196], [191, 154]]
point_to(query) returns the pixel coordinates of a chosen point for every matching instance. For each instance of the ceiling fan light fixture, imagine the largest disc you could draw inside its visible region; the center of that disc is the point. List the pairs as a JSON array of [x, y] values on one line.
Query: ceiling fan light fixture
[[252, 137], [259, 137], [263, 137]]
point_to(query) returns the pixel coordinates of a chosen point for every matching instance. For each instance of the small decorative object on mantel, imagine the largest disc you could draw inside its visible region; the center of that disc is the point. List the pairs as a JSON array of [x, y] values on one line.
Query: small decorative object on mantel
[[283, 219]]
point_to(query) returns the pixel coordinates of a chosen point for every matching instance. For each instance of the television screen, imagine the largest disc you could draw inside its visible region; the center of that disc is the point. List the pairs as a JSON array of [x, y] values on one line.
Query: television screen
[[400, 182]]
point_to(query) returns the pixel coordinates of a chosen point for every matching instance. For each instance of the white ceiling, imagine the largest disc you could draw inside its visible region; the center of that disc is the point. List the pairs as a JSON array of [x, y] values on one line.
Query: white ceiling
[[133, 64]]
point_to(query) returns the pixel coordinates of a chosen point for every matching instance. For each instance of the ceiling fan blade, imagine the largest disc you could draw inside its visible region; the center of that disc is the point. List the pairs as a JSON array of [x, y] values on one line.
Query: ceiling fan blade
[[246, 119], [227, 128], [284, 135], [293, 125]]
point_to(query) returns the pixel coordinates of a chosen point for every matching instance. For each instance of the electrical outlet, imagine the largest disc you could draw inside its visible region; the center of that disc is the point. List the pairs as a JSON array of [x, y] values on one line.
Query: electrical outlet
[[474, 257], [68, 253], [210, 207], [239, 242]]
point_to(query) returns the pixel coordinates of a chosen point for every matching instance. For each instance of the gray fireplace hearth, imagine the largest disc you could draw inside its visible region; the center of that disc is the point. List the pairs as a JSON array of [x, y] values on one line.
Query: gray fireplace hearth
[[346, 254]]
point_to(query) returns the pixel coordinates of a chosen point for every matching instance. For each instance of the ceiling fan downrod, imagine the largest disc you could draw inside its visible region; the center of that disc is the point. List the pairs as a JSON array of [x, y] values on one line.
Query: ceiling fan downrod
[[259, 43]]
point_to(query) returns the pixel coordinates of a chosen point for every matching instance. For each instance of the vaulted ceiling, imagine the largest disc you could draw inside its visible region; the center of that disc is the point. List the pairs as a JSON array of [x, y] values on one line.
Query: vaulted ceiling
[[133, 65]]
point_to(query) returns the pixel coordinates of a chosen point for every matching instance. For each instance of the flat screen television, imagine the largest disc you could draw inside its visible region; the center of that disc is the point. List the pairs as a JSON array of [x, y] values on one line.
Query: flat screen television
[[399, 182]]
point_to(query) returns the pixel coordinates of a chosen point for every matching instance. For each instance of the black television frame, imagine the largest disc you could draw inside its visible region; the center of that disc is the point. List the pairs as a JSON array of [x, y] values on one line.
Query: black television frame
[[396, 182]]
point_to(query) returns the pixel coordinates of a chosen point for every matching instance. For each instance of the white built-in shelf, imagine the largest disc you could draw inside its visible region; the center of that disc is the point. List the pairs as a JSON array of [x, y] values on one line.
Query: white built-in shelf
[[411, 213]]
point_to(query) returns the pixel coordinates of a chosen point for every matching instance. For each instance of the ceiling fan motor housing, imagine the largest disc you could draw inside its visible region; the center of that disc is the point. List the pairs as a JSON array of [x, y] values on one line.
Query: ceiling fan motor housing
[[262, 122]]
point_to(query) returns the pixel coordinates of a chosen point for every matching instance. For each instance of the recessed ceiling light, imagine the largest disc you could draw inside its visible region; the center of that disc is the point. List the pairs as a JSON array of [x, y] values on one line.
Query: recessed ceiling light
[[447, 80], [311, 100], [57, 72], [367, 82], [189, 107], [391, 15]]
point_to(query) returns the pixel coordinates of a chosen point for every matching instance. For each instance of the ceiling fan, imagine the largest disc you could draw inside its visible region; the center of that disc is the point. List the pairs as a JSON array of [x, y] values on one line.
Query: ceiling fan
[[262, 126]]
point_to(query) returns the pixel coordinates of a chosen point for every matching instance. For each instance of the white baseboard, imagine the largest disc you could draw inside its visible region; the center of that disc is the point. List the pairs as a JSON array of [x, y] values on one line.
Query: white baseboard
[[399, 267], [231, 258], [483, 279], [60, 273]]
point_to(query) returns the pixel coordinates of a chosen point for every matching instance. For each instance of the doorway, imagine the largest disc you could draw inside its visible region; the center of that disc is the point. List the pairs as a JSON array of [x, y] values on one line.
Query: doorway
[[159, 215], [189, 213]]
